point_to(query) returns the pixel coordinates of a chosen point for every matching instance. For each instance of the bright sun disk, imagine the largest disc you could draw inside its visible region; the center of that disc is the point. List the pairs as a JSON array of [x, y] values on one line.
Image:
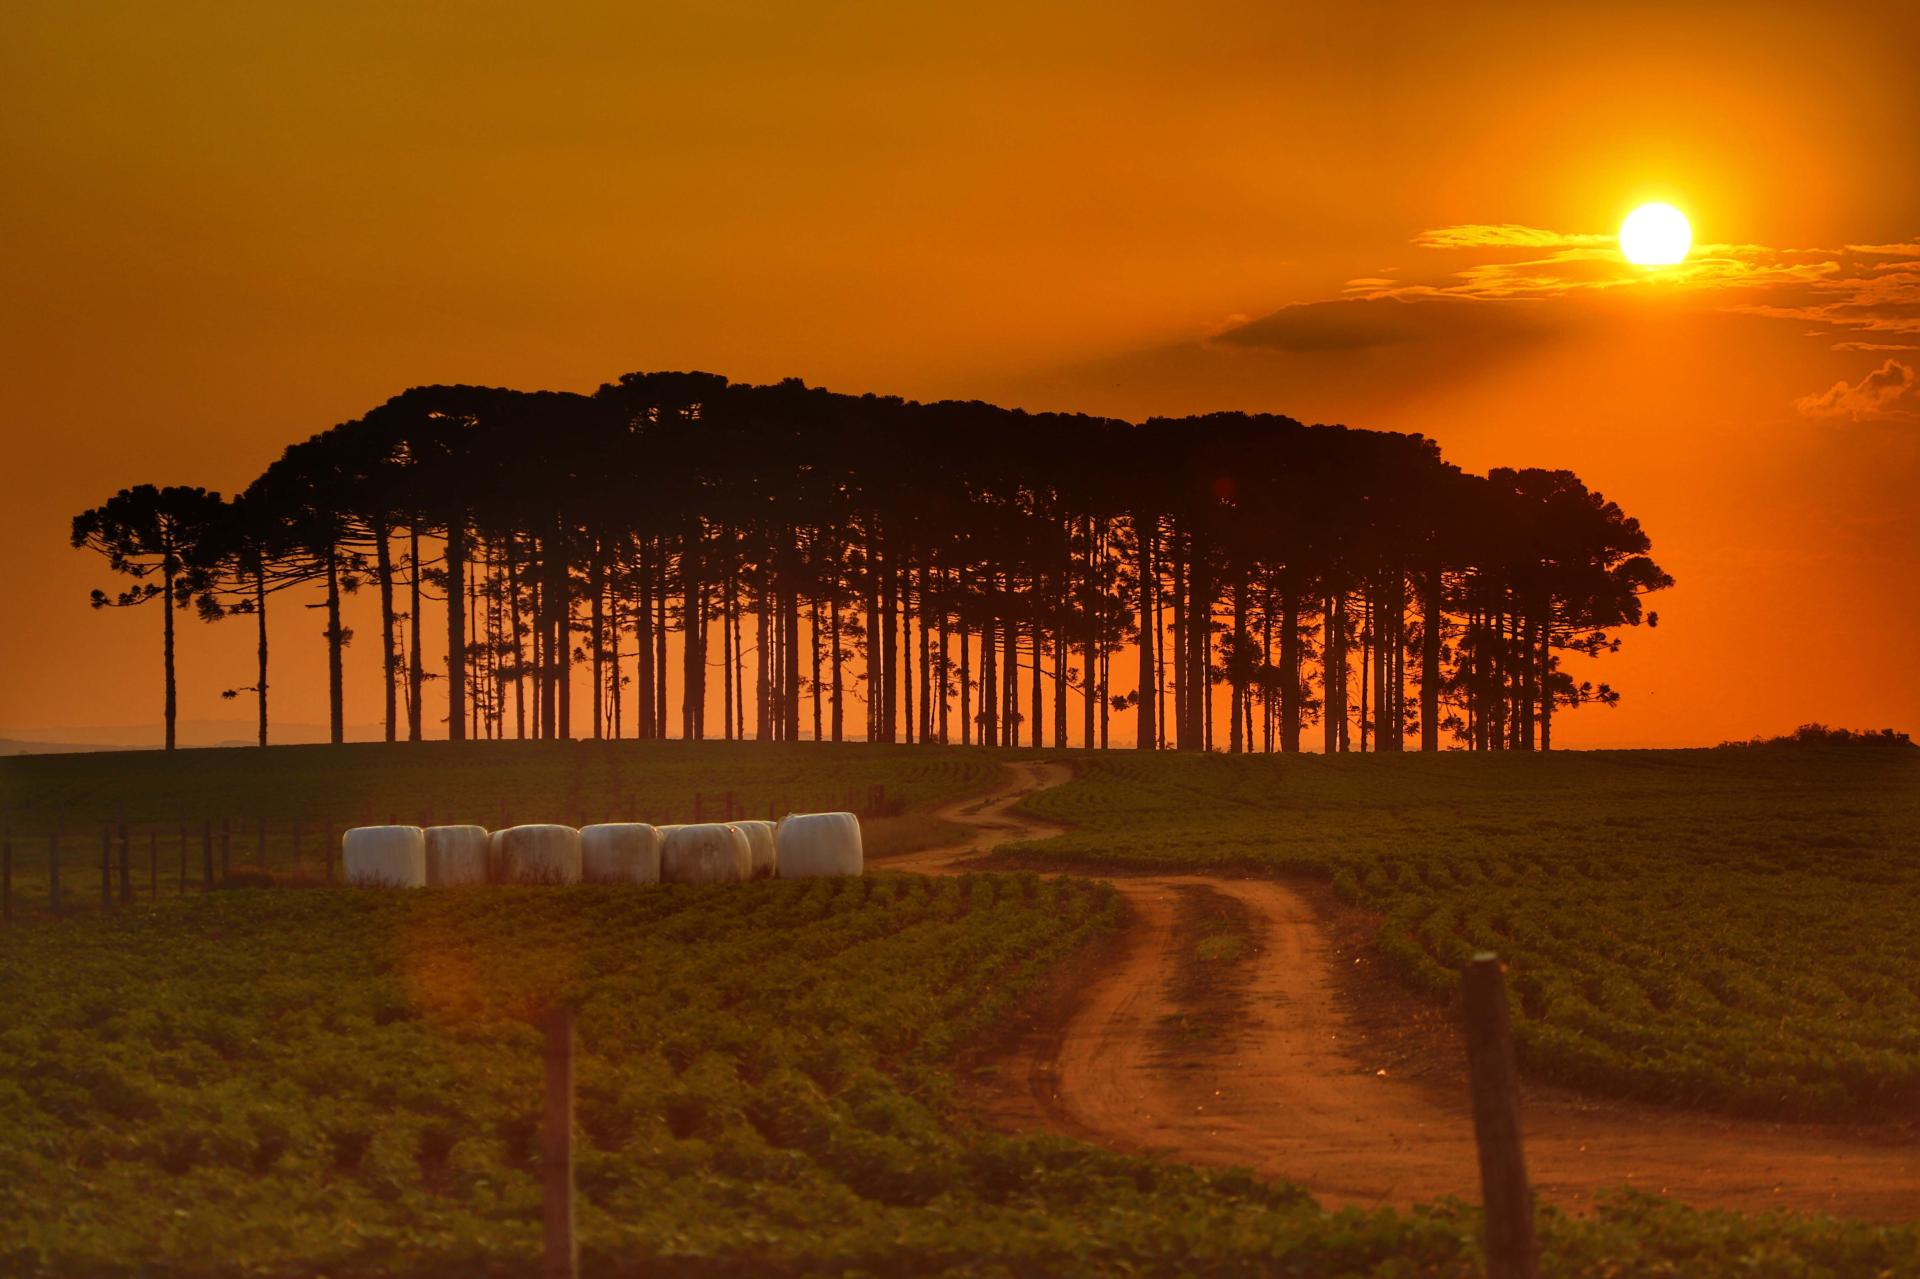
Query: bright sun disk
[[1655, 235]]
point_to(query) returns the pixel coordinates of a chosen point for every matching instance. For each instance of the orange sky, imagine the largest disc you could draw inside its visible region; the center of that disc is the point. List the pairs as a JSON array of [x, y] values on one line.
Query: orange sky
[[229, 226]]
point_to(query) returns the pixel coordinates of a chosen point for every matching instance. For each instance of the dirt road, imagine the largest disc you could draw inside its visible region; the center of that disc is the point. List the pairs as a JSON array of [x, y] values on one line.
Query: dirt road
[[1292, 1093]]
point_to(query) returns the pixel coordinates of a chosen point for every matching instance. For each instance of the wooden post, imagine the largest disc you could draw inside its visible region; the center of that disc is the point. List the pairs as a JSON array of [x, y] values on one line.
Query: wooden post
[[562, 1258], [1511, 1252], [206, 855], [126, 872], [226, 847]]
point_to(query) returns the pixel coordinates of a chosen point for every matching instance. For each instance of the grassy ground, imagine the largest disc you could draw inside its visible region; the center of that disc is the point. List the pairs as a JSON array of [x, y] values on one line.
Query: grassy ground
[[272, 809], [342, 1082], [1727, 928]]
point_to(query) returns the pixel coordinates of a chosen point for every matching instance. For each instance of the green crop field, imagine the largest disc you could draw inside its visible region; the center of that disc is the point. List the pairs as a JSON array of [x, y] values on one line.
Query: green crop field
[[177, 807], [343, 1082], [1731, 928]]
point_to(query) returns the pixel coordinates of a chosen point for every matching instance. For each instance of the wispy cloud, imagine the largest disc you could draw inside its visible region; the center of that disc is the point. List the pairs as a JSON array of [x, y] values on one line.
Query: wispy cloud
[[1870, 288], [1497, 287], [1484, 235], [1886, 394]]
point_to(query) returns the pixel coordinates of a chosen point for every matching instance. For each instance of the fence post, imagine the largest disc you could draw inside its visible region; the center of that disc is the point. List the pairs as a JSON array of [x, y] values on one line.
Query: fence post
[[1511, 1253], [206, 855], [226, 847], [126, 871], [562, 1257]]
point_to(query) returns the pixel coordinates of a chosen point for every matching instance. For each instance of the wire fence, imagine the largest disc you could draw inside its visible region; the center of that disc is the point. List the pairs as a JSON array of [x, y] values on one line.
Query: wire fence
[[67, 872]]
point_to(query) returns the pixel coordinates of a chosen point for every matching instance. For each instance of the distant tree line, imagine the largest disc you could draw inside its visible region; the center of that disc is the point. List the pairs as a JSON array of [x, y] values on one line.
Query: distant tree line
[[1817, 734], [878, 568]]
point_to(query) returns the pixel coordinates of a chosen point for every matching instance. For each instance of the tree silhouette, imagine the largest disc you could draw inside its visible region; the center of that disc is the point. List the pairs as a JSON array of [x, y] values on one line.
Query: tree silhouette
[[146, 532], [962, 571]]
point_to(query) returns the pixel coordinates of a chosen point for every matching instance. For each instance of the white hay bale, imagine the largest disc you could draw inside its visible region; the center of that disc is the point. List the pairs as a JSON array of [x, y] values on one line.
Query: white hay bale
[[813, 844], [388, 856], [707, 853], [620, 853], [456, 855], [760, 844], [540, 854]]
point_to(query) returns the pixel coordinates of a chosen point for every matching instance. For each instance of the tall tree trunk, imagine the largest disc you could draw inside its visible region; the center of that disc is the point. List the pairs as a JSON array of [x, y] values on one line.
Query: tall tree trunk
[[1235, 740], [966, 686], [1145, 730], [1546, 680], [660, 667], [1038, 631], [813, 639], [924, 607], [597, 622], [518, 622], [1062, 648], [389, 658], [456, 630], [790, 654], [945, 680], [1181, 725], [260, 645], [763, 659], [416, 668], [336, 641], [989, 682], [171, 692], [1289, 672], [833, 641]]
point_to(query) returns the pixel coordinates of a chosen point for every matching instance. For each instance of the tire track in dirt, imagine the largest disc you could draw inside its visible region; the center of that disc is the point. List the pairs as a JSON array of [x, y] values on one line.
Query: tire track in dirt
[[1292, 1094]]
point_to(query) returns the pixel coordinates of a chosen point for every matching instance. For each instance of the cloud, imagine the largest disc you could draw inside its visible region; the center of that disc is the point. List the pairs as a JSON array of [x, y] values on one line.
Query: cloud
[[1386, 320], [1879, 396], [1482, 235]]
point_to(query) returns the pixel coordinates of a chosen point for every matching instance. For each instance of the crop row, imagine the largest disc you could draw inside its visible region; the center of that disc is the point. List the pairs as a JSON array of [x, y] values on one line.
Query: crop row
[[1704, 927]]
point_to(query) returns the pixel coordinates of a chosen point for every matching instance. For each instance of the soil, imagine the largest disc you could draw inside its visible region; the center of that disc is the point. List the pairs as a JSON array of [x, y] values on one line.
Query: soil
[[1283, 1046]]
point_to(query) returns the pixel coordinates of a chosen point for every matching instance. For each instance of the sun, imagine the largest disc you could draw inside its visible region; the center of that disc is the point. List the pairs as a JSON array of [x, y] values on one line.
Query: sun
[[1655, 235]]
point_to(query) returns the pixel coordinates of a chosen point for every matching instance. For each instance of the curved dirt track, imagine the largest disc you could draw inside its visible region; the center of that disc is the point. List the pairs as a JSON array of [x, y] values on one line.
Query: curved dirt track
[[1291, 1093]]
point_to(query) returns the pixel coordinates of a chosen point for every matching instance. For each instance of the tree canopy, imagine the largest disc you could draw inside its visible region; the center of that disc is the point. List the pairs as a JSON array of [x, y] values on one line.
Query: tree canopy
[[951, 571]]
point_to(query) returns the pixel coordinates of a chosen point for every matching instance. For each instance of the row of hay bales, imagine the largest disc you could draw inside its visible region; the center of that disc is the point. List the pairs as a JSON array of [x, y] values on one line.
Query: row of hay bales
[[799, 846]]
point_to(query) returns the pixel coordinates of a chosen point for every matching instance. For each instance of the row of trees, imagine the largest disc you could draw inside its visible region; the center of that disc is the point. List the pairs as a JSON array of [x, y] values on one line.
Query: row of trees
[[878, 568]]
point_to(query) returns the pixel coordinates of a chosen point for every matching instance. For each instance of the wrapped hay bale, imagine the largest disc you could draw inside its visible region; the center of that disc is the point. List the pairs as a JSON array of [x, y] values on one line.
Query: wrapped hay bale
[[540, 854], [760, 844], [388, 856], [708, 853], [456, 855], [811, 844], [620, 853]]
